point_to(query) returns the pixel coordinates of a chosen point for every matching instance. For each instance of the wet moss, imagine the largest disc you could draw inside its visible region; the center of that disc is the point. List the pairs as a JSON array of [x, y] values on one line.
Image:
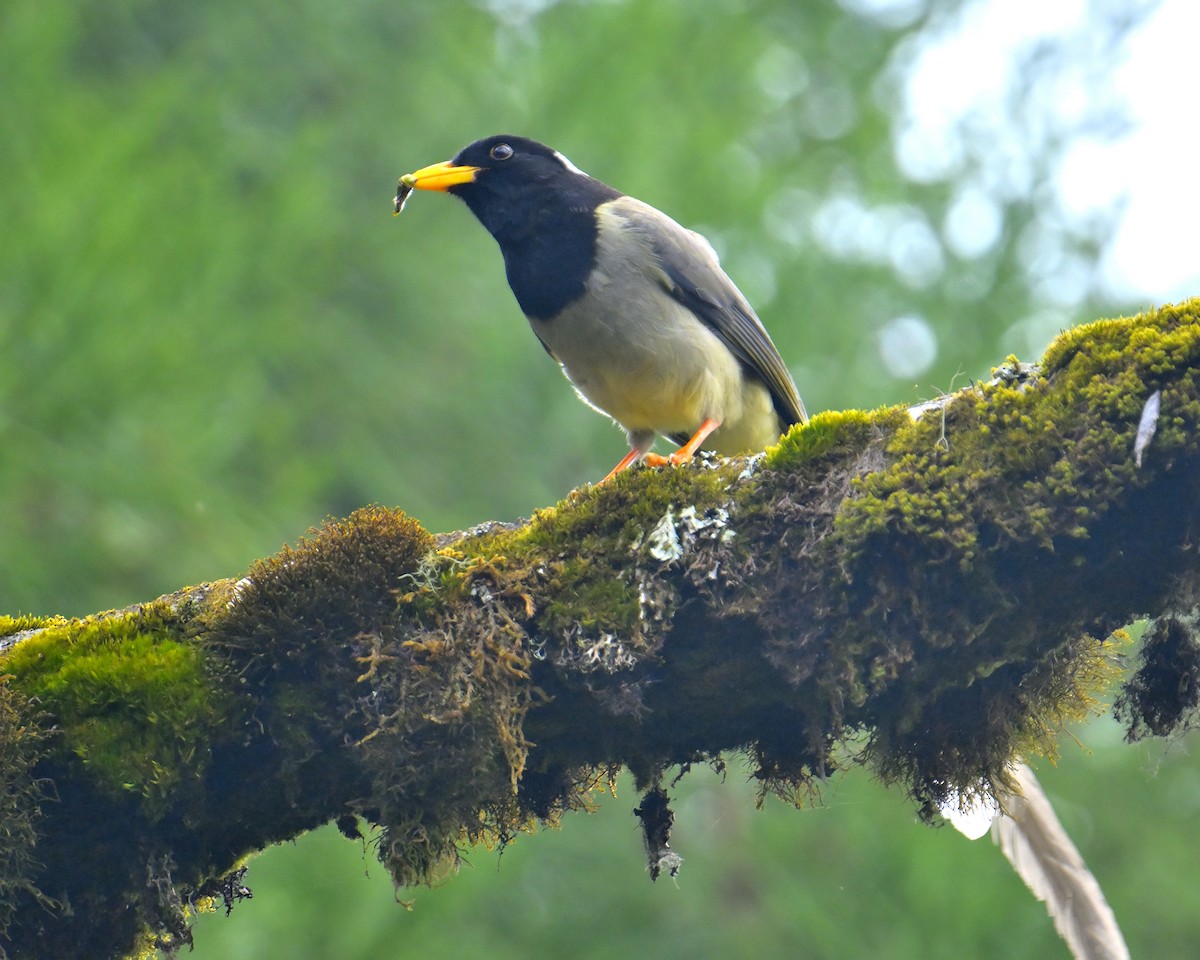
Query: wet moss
[[129, 699], [916, 657], [579, 552], [391, 684], [831, 435], [1162, 697], [919, 597], [10, 625]]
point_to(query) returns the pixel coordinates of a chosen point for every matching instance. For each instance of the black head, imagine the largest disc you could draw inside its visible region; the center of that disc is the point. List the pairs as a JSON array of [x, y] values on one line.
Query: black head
[[510, 158], [512, 183]]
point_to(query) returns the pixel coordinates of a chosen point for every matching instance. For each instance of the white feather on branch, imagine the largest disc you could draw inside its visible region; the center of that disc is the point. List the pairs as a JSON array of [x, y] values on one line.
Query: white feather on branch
[[1035, 843]]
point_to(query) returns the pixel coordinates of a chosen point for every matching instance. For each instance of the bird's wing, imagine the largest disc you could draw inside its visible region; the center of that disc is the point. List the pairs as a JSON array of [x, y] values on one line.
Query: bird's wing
[[692, 274]]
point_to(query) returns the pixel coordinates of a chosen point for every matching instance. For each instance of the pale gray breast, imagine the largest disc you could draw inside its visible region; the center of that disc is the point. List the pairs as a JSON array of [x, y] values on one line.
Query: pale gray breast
[[632, 349]]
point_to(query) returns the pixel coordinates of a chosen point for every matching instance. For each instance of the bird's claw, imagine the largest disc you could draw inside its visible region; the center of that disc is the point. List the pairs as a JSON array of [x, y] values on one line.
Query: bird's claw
[[658, 460]]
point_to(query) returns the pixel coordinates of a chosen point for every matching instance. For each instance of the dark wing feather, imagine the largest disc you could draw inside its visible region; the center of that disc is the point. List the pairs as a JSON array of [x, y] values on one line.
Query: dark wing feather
[[693, 276]]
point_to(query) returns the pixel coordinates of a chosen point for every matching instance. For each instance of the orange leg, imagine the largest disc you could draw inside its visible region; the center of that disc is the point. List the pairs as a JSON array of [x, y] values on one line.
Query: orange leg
[[685, 453], [629, 458]]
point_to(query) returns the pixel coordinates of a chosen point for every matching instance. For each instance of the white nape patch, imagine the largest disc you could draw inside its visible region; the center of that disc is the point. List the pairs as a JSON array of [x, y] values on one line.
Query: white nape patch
[[568, 164]]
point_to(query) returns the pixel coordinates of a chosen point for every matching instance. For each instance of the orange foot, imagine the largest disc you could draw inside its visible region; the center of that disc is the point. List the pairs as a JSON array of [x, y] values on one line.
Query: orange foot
[[683, 454]]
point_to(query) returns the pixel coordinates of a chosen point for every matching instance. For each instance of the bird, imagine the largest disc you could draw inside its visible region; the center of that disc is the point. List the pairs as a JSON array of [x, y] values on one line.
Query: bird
[[636, 309]]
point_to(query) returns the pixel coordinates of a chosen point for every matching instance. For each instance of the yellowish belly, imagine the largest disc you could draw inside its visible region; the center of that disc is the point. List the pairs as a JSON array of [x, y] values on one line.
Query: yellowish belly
[[666, 377]]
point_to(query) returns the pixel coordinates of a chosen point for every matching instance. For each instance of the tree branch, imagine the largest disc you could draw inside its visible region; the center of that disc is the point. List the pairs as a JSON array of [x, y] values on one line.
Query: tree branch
[[931, 599]]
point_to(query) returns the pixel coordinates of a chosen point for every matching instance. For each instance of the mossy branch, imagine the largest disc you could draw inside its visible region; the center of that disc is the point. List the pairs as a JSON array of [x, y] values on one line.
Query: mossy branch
[[930, 598]]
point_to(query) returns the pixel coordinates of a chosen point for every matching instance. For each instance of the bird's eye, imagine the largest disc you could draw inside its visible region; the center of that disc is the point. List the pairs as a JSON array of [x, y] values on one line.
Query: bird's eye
[[501, 151]]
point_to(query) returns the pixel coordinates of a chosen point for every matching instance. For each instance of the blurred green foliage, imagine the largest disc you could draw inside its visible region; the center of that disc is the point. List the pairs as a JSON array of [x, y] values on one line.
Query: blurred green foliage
[[215, 334]]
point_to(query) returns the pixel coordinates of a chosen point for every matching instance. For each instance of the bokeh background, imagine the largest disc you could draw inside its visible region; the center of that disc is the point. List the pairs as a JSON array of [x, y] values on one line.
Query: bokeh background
[[214, 334]]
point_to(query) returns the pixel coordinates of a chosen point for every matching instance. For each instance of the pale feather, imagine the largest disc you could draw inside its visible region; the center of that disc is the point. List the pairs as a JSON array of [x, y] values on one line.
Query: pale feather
[[1035, 843]]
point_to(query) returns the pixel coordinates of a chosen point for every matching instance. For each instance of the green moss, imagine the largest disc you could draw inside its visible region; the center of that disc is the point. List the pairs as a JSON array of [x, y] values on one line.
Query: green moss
[[1100, 341], [461, 660], [133, 702], [912, 499], [578, 552], [832, 434], [1054, 473], [301, 626], [1020, 487], [10, 625], [344, 575], [916, 595], [1160, 341]]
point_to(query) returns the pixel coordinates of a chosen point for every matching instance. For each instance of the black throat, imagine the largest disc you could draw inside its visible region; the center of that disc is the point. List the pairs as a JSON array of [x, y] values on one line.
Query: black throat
[[547, 234]]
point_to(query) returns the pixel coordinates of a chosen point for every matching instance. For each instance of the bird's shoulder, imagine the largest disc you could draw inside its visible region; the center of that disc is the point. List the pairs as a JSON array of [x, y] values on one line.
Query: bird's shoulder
[[666, 237], [682, 260]]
